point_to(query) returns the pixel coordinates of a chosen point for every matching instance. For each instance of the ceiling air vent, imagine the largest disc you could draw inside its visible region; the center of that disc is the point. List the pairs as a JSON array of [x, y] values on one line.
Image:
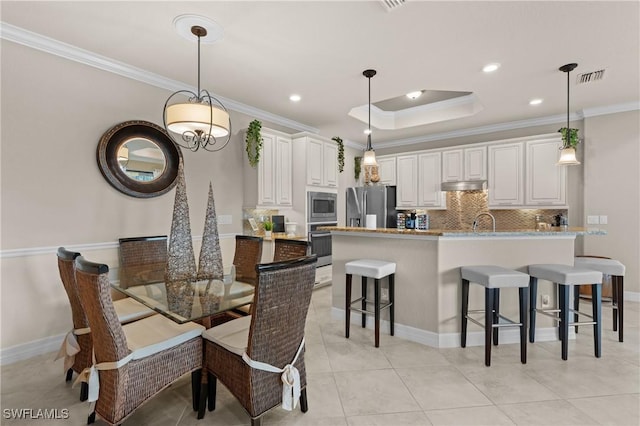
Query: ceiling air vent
[[590, 77], [392, 4]]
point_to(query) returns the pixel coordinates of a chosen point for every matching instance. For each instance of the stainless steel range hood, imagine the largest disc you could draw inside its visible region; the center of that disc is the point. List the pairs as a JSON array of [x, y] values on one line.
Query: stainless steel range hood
[[464, 185]]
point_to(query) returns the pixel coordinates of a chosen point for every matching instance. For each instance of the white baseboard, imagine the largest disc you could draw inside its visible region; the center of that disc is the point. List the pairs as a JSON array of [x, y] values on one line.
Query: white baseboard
[[631, 296], [30, 349], [449, 340]]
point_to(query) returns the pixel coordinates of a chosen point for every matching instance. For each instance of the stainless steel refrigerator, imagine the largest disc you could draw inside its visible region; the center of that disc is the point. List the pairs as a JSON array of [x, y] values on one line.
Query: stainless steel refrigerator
[[378, 200]]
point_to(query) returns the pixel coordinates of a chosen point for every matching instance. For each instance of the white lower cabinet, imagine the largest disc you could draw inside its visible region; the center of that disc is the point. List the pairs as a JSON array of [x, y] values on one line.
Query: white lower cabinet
[[506, 175], [546, 181]]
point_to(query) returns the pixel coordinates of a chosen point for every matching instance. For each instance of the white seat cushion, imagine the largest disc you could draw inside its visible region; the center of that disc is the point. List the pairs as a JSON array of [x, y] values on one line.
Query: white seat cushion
[[157, 333], [606, 266], [129, 309], [370, 268], [232, 335], [565, 274], [492, 276]]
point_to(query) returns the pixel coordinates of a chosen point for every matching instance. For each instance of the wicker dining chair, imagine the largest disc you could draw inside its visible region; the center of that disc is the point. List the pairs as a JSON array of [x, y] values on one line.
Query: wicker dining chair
[[247, 255], [142, 260], [285, 249], [79, 338], [273, 334], [134, 361]]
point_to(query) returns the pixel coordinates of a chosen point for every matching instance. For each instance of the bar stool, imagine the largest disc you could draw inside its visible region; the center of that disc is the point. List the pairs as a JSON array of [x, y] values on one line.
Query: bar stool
[[493, 278], [616, 270], [376, 269], [565, 276]]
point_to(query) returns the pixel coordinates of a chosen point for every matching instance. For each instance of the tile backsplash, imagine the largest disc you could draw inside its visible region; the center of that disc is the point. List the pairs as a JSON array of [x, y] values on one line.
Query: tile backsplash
[[462, 208]]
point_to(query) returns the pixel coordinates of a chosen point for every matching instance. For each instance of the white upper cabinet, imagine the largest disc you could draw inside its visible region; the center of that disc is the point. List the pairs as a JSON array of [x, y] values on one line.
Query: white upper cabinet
[[546, 181], [506, 175], [407, 181], [387, 170], [464, 164], [429, 180], [270, 184], [321, 160]]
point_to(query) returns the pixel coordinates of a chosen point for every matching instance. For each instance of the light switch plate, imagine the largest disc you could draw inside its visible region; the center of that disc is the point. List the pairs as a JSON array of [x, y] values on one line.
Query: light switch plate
[[225, 219], [593, 220], [603, 220]]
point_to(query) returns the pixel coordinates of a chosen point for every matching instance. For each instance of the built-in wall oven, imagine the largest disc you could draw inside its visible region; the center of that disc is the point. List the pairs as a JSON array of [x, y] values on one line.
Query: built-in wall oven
[[321, 211]]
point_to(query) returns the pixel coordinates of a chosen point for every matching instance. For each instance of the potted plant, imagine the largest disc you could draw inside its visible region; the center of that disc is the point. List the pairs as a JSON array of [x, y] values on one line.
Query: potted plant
[[357, 161], [570, 141], [338, 140], [268, 227], [254, 142]]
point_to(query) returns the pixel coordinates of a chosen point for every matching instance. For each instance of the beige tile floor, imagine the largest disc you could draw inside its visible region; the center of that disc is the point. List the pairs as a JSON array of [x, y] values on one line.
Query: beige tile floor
[[401, 383]]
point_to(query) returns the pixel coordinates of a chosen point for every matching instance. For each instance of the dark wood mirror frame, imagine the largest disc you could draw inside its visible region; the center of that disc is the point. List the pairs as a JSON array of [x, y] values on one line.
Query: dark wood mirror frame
[[107, 156]]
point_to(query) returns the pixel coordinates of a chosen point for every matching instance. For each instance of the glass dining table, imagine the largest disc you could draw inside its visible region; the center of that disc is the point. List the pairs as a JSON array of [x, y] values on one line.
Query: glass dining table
[[182, 300]]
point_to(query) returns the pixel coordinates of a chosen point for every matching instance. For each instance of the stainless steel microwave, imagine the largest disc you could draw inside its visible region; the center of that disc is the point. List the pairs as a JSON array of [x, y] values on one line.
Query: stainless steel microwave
[[322, 207]]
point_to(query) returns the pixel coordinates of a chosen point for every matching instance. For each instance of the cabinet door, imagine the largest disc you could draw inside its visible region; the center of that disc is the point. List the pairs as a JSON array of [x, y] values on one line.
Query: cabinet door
[[283, 171], [475, 163], [314, 162], [429, 180], [387, 170], [266, 171], [330, 166], [407, 181], [506, 175], [452, 164], [546, 181]]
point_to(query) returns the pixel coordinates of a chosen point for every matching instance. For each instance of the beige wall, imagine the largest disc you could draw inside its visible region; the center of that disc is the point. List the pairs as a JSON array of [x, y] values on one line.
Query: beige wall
[[612, 188]]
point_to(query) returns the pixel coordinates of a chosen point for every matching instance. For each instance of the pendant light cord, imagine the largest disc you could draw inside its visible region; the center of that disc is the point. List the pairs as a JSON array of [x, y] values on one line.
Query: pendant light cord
[[568, 84], [198, 66]]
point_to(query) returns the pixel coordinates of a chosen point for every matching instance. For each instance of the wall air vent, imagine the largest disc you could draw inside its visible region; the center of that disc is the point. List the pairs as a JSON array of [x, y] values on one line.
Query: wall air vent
[[392, 4], [590, 77]]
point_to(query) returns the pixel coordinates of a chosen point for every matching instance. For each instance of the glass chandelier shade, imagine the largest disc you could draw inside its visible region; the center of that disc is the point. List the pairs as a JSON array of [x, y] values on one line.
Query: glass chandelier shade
[[369, 158], [200, 122], [568, 152]]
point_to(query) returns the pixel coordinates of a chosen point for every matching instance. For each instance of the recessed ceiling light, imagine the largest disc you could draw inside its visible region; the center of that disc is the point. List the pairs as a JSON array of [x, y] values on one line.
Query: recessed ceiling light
[[535, 101], [295, 98], [491, 67], [367, 131], [414, 95]]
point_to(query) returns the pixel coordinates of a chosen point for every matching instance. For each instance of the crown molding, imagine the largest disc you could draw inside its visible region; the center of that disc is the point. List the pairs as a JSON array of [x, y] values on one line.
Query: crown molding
[[73, 53]]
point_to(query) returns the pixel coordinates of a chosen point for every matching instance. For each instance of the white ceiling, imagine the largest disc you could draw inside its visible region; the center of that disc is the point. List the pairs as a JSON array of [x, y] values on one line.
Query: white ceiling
[[319, 50]]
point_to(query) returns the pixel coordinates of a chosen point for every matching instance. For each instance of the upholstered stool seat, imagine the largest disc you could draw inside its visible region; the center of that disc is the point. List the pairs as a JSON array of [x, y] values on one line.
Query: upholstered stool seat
[[493, 278], [566, 276], [376, 269], [616, 270]]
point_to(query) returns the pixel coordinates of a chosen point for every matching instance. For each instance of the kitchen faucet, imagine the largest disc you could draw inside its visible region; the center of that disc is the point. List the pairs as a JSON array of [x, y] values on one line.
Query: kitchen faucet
[[475, 221]]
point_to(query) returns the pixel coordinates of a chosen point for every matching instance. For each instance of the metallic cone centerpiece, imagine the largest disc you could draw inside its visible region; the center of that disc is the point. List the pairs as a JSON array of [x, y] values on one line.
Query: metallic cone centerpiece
[[210, 262]]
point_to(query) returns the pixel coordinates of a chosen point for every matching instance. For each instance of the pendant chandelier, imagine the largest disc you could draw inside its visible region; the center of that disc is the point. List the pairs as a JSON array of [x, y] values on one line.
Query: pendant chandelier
[[200, 122], [369, 154], [568, 151]]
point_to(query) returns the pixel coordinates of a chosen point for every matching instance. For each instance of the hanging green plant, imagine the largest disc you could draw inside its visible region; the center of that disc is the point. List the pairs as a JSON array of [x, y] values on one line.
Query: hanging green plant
[[338, 140], [356, 167], [572, 141], [254, 142]]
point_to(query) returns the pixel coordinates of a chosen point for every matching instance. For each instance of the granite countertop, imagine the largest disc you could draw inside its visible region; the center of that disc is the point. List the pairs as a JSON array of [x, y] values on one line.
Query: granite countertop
[[283, 236], [468, 233]]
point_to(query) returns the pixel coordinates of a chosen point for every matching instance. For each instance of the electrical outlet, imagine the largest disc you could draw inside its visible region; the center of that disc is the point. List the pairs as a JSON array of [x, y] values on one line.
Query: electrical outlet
[[603, 220], [384, 294], [593, 220], [545, 300]]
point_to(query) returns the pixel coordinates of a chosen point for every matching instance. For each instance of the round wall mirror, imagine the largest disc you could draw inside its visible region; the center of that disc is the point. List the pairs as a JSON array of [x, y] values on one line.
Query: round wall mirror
[[139, 159]]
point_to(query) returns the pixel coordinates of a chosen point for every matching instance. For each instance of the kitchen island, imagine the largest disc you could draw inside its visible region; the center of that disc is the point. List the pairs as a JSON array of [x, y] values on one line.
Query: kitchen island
[[427, 283]]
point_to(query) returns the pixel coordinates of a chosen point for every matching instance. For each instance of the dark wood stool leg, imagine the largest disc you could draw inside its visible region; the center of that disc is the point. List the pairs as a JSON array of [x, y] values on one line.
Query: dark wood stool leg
[[561, 303], [564, 319], [596, 291], [619, 282], [496, 314], [212, 384], [69, 375], [576, 305], [347, 306], [304, 404], [524, 305], [376, 310], [614, 300], [533, 295], [196, 379], [84, 391], [364, 303], [465, 309], [392, 301], [488, 324]]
